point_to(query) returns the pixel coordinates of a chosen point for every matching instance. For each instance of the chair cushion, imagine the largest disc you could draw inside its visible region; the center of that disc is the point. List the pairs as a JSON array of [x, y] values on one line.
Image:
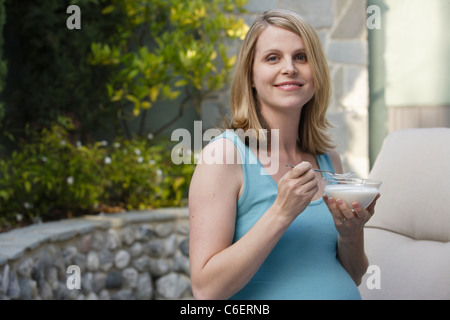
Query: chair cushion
[[414, 165], [408, 269]]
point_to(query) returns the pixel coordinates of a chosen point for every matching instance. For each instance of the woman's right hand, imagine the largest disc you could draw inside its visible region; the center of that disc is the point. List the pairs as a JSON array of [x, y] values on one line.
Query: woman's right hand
[[296, 190]]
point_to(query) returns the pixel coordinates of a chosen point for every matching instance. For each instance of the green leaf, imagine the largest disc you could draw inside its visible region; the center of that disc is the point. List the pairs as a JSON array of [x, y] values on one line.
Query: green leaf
[[146, 104], [178, 182], [181, 83], [132, 98], [174, 94], [27, 186], [154, 92], [108, 9]]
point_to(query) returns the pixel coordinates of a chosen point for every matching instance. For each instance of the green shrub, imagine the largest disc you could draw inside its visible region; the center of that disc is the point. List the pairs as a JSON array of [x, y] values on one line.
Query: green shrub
[[139, 174], [127, 56], [53, 177], [3, 68], [48, 71], [166, 49]]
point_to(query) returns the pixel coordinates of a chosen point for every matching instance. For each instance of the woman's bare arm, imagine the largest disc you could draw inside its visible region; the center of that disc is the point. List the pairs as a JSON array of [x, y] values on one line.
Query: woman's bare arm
[[219, 267], [351, 252]]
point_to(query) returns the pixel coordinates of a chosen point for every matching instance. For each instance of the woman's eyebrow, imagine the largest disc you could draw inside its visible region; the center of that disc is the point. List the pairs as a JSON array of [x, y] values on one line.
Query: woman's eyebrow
[[299, 50], [271, 50]]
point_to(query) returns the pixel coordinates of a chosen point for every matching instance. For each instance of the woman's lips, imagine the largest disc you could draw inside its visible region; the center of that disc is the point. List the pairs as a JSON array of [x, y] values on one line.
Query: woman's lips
[[288, 86]]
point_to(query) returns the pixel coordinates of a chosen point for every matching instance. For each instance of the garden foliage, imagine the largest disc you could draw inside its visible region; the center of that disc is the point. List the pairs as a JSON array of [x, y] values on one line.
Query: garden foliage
[[48, 71], [63, 86], [3, 68], [127, 56], [165, 49], [54, 177]]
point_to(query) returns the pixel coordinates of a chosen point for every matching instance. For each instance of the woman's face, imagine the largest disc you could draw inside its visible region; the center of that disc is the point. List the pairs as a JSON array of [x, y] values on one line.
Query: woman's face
[[282, 76]]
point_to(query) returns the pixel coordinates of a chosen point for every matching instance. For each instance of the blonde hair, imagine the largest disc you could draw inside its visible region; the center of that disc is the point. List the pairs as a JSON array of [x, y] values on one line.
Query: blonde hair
[[312, 136]]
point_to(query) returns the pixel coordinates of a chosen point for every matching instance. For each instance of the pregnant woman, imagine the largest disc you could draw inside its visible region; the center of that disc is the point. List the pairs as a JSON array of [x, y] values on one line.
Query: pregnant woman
[[261, 235]]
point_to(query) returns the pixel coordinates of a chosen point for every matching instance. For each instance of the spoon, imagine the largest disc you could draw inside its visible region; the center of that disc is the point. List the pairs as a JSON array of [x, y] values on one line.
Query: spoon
[[336, 175]]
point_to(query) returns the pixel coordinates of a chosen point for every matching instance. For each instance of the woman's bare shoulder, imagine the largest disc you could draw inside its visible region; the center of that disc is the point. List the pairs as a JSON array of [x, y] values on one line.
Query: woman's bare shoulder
[[218, 169], [219, 151]]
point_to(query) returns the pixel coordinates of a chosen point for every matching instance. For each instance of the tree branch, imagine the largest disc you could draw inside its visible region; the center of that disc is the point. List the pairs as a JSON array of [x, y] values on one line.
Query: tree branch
[[178, 116]]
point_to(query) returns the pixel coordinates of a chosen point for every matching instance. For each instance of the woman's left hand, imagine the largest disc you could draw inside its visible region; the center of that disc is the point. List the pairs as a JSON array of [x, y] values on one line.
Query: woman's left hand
[[348, 220]]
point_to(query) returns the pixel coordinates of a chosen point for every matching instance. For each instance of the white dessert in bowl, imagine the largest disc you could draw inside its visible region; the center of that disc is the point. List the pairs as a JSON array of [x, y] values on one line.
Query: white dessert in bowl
[[352, 190]]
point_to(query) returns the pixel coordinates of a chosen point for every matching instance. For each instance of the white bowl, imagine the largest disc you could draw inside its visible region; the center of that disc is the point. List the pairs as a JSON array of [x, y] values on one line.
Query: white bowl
[[352, 190]]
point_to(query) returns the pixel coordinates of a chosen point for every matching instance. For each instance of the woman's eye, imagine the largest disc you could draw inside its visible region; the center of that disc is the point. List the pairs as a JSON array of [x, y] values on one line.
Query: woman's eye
[[301, 57]]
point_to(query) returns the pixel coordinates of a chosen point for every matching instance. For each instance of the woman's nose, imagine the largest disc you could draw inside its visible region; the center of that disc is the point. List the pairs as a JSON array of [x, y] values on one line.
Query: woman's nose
[[289, 67]]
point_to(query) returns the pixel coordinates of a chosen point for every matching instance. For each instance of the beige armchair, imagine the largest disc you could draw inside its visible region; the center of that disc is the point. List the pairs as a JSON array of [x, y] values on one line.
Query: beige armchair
[[407, 241]]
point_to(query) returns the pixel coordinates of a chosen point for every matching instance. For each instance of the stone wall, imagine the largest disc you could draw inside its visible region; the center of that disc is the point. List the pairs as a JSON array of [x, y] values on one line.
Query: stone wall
[[133, 255], [341, 25]]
